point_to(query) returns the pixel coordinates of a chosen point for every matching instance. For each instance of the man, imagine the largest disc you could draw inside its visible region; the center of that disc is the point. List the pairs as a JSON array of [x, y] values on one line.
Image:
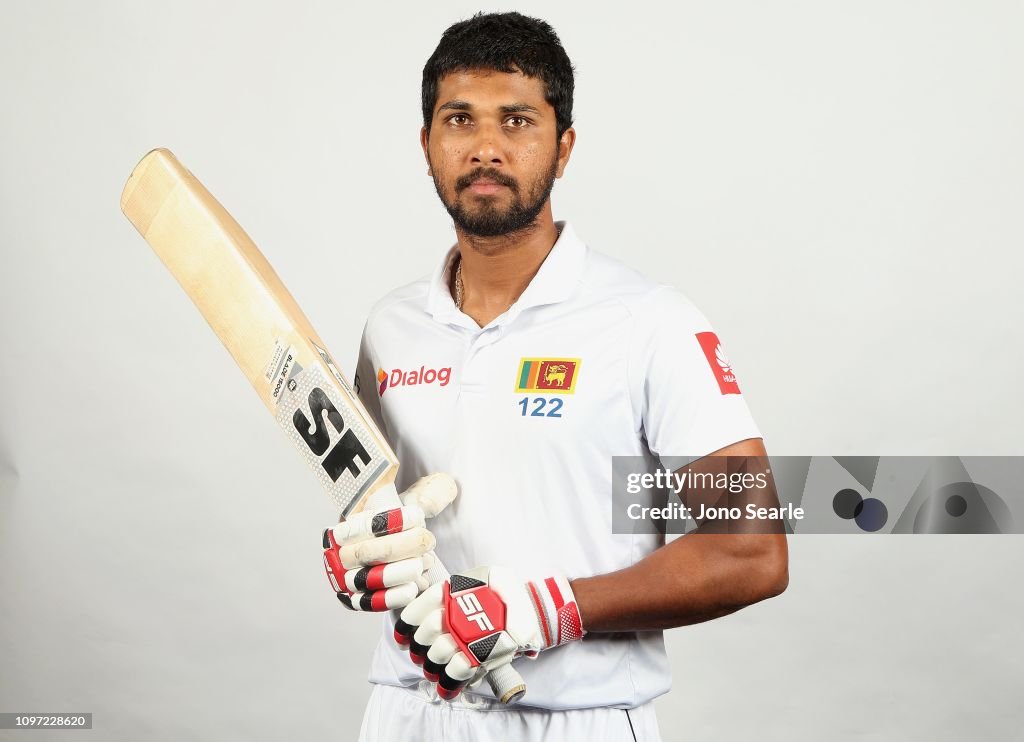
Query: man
[[522, 366]]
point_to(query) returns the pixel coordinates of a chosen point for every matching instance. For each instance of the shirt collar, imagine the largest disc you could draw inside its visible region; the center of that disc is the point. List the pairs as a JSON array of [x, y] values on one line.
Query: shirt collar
[[555, 281]]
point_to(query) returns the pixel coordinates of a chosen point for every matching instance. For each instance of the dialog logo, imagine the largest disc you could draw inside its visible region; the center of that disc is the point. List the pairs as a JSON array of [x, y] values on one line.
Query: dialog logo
[[415, 377], [720, 366]]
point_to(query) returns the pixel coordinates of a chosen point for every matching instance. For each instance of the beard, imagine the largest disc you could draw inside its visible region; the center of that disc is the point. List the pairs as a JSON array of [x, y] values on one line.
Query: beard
[[487, 218]]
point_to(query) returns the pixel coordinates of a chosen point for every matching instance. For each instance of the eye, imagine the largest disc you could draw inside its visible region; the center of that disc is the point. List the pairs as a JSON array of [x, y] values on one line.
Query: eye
[[459, 119], [518, 122]]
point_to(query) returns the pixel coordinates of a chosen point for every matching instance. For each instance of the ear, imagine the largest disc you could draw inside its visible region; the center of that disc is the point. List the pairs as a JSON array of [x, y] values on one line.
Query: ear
[[565, 145], [423, 144]]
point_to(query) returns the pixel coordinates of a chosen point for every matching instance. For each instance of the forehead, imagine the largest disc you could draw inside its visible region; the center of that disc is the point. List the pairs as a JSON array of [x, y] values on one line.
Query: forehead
[[484, 88]]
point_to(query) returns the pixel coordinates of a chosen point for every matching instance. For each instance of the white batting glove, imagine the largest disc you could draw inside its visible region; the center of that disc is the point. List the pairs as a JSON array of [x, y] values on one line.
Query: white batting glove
[[482, 619], [377, 560]]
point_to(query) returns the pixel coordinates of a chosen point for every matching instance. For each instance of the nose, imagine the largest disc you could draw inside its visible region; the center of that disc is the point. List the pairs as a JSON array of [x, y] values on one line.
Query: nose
[[486, 150]]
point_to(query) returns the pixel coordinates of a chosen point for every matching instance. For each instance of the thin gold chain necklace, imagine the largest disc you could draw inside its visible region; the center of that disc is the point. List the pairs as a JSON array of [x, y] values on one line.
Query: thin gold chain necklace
[[458, 278]]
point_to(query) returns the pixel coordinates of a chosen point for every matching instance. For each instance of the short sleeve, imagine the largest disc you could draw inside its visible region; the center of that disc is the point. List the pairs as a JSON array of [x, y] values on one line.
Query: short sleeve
[[688, 396], [365, 381]]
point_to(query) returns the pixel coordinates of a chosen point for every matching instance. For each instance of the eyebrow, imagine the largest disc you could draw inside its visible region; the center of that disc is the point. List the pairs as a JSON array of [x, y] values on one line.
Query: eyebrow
[[454, 105], [461, 105], [519, 108]]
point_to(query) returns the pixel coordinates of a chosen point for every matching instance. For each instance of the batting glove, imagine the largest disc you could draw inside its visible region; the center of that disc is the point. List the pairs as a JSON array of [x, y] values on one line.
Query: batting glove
[[378, 560], [479, 621]]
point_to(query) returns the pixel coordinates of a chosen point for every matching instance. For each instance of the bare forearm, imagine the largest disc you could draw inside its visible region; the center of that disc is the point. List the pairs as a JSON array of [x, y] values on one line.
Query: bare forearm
[[695, 578]]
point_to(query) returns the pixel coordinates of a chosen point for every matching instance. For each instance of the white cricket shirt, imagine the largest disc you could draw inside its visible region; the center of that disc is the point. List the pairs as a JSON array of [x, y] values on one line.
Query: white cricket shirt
[[593, 361]]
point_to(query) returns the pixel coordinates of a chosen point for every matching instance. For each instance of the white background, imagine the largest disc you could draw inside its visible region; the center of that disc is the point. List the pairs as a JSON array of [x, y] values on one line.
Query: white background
[[837, 185]]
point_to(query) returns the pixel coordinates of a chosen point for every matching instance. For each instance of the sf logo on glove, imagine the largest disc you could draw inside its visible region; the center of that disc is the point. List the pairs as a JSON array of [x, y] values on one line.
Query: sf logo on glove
[[473, 611]]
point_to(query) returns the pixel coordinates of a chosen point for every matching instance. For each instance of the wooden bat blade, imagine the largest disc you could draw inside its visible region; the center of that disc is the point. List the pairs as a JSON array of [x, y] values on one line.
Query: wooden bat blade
[[261, 325]]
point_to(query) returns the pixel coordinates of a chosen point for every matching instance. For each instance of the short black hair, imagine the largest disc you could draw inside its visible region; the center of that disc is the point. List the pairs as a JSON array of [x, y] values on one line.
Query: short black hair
[[504, 42]]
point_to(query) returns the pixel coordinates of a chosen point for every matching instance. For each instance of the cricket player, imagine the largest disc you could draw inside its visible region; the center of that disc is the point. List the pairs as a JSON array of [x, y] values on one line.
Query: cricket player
[[521, 366]]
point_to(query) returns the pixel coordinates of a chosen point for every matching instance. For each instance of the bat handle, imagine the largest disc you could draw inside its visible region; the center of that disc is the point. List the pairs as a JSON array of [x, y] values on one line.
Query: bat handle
[[505, 681]]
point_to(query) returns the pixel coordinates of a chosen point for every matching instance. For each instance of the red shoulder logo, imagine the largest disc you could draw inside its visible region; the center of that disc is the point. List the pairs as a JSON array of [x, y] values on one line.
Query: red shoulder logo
[[720, 366]]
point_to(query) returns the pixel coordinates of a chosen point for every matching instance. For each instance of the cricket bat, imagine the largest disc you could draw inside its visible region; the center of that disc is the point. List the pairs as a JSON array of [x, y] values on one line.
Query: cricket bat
[[265, 331]]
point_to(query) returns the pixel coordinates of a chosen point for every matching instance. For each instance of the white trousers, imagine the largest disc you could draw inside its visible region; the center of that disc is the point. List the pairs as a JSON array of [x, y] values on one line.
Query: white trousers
[[417, 715]]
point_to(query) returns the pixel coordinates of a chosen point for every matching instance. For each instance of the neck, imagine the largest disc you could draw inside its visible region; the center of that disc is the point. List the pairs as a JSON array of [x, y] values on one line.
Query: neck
[[496, 270]]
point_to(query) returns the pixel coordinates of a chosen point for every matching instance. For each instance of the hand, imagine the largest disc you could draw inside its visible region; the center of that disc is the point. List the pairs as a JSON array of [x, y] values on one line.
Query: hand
[[480, 620], [377, 560]]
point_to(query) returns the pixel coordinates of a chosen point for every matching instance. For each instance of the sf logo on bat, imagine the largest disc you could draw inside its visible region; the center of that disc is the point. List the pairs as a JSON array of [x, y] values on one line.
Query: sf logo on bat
[[347, 454]]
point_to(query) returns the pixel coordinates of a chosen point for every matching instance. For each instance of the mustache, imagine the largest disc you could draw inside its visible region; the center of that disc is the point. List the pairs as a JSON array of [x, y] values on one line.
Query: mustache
[[465, 181]]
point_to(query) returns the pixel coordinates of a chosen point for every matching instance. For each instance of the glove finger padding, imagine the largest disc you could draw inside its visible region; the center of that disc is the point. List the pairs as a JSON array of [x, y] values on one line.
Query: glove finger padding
[[346, 571], [439, 655], [432, 493], [388, 599], [391, 548], [367, 525], [456, 675], [425, 635], [380, 587], [416, 612], [380, 576]]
